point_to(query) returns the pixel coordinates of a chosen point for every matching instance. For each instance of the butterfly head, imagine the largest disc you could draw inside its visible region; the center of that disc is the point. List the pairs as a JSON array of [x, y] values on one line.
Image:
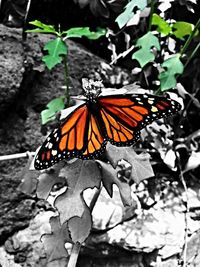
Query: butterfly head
[[91, 89]]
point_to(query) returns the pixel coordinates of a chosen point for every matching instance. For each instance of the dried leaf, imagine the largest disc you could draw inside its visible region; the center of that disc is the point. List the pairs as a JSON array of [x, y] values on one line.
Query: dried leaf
[[193, 246], [110, 177], [54, 243], [29, 179], [79, 227], [48, 179], [193, 161], [141, 167], [80, 175]]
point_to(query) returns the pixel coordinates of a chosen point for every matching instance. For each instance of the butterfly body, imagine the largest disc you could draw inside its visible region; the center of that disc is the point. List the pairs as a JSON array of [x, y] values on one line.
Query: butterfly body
[[100, 119]]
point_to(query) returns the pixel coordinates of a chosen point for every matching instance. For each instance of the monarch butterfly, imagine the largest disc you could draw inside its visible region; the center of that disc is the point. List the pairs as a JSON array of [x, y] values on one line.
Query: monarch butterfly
[[117, 118]]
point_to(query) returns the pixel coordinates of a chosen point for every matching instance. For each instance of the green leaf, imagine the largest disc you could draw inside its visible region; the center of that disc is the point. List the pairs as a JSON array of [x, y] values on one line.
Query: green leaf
[[144, 55], [173, 67], [162, 26], [182, 28], [54, 243], [80, 176], [84, 31], [56, 49], [53, 107], [129, 11], [42, 28]]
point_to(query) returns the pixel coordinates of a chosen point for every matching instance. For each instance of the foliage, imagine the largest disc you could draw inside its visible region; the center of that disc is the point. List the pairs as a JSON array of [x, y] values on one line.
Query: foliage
[[102, 8], [180, 29], [157, 48], [129, 11], [167, 77], [57, 51], [74, 222], [53, 107], [57, 48], [145, 54], [121, 166]]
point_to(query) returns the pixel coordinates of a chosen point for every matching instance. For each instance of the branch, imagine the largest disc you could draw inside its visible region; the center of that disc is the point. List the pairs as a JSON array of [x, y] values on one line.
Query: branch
[[17, 156], [188, 41], [185, 202], [74, 255]]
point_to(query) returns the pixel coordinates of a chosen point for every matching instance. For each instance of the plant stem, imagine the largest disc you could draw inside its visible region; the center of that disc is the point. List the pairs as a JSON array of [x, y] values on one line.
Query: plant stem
[[94, 199], [186, 220], [66, 75], [151, 14], [187, 43], [24, 34], [185, 202], [74, 255], [192, 54]]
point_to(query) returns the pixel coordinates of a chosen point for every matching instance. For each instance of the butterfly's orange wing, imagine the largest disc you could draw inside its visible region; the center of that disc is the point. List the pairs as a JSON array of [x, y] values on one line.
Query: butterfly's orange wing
[[78, 136], [117, 118], [96, 141], [125, 115]]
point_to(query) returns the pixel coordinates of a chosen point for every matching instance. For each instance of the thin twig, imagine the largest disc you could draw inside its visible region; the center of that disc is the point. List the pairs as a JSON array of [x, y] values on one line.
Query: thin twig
[[94, 198], [192, 54], [186, 211], [17, 156], [186, 220], [66, 75], [188, 41], [151, 15], [74, 255], [24, 34], [183, 112]]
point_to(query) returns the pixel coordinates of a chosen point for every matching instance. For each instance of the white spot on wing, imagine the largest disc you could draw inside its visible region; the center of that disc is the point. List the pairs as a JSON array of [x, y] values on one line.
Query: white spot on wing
[[50, 145], [54, 152]]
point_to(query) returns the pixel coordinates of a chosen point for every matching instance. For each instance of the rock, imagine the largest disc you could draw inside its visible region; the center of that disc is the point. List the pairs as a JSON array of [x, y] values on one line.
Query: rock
[[24, 247], [11, 66], [26, 86]]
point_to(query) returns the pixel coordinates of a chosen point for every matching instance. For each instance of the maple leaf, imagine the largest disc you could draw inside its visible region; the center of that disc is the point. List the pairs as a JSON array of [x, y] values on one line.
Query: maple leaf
[[110, 177], [41, 27], [145, 55], [80, 227], [48, 179], [84, 31], [54, 243], [55, 105], [182, 28], [141, 166], [173, 66], [56, 49], [162, 25], [129, 11], [80, 175]]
